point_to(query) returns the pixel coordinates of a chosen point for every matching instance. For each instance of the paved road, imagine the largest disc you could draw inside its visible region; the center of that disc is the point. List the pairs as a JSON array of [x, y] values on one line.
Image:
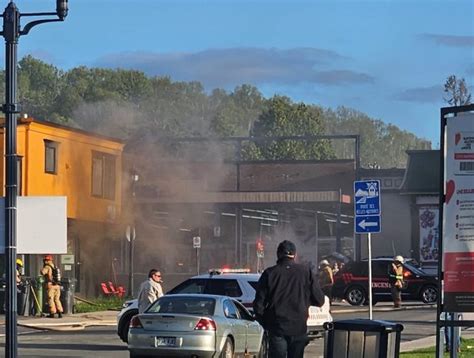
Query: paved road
[[417, 323], [103, 342]]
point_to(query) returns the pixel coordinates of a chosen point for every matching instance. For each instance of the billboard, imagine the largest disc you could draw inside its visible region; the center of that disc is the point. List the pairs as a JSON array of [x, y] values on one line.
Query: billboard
[[429, 233], [458, 214], [41, 225]]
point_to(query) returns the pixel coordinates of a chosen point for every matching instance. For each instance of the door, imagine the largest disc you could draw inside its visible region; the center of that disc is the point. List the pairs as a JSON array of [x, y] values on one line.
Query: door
[[254, 330], [238, 326]]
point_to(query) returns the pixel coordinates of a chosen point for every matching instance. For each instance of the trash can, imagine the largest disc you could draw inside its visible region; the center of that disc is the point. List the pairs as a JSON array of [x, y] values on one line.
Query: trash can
[[23, 298], [68, 287], [359, 338]]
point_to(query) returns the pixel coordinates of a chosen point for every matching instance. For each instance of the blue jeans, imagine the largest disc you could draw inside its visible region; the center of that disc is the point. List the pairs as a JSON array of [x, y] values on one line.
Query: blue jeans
[[286, 346]]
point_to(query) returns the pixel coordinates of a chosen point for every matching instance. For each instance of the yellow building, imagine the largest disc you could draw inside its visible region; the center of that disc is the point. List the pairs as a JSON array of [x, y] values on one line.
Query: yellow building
[[87, 169]]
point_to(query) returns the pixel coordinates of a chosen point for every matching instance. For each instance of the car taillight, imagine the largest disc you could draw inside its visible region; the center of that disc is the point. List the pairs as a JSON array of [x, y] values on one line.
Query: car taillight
[[205, 324], [407, 274], [135, 322]]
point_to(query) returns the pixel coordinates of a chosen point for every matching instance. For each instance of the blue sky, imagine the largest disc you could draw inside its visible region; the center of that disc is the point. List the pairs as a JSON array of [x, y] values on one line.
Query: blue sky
[[388, 59]]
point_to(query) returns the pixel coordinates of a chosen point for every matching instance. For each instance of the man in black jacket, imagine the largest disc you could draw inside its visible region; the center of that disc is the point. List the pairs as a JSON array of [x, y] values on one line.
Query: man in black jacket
[[285, 292]]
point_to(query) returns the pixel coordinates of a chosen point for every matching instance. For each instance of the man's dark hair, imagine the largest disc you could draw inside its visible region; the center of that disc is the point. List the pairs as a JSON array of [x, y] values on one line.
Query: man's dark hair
[[152, 272], [286, 249]]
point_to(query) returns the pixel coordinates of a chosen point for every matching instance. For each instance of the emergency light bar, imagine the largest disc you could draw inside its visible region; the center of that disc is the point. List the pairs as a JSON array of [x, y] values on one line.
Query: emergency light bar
[[220, 271]]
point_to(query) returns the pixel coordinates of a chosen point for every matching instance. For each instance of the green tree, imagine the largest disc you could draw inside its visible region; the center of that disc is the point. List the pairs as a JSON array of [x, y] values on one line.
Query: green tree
[[285, 118], [40, 86], [382, 144], [457, 92]]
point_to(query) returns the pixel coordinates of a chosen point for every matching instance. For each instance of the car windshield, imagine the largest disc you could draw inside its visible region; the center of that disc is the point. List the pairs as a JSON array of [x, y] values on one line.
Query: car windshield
[[186, 305], [414, 269]]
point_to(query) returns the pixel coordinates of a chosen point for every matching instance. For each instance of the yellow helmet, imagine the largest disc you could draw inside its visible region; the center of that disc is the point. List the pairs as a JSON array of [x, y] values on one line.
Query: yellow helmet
[[19, 262]]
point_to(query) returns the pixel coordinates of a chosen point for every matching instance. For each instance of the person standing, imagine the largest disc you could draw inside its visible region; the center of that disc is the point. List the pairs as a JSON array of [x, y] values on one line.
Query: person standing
[[52, 281], [326, 278], [395, 278], [150, 290], [285, 292]]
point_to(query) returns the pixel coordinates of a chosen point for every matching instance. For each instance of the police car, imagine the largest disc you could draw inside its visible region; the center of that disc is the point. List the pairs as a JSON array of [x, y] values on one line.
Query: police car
[[239, 284]]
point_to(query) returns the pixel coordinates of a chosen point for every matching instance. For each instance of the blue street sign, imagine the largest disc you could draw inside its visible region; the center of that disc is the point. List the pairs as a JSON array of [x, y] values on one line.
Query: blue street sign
[[367, 206], [367, 197], [366, 224]]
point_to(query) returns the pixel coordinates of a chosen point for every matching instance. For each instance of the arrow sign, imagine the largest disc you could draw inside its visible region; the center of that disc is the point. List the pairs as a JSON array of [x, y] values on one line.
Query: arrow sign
[[365, 224]]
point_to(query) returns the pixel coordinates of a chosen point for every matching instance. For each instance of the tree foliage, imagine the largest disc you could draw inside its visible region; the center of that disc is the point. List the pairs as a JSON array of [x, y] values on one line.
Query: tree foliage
[[128, 105], [281, 118], [457, 92]]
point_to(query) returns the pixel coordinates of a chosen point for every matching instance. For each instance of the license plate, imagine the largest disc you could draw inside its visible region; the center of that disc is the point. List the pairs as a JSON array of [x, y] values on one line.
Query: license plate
[[165, 341]]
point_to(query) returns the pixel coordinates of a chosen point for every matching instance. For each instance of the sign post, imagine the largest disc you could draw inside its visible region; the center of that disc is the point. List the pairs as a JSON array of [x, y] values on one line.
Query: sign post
[[367, 218], [197, 246]]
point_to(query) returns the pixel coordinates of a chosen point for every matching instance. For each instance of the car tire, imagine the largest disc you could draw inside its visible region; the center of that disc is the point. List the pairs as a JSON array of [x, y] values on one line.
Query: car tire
[[124, 324], [355, 295], [429, 294], [228, 349], [263, 353]]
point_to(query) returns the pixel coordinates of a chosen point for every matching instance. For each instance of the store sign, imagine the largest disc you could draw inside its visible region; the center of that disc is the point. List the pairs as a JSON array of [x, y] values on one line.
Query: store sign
[[458, 217], [429, 233]]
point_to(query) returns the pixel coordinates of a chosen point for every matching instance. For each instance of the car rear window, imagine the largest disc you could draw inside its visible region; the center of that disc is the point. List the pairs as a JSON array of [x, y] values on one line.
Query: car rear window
[[185, 305]]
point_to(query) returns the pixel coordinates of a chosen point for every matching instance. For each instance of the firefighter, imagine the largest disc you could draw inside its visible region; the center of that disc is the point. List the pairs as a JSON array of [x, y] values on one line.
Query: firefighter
[[19, 266], [52, 283], [326, 278], [395, 277]]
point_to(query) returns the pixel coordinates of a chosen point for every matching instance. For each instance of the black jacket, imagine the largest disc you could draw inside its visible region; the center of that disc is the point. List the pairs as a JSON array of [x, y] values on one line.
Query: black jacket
[[285, 292]]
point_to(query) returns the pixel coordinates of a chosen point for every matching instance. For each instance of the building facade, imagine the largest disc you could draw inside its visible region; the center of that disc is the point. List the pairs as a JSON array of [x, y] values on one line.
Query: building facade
[[54, 160]]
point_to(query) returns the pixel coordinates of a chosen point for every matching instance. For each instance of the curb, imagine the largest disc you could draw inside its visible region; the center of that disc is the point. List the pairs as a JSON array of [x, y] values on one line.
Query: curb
[[384, 309], [66, 326]]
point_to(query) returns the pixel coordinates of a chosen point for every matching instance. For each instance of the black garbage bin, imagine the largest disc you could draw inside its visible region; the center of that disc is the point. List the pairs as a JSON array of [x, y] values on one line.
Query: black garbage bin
[[23, 298], [68, 287], [359, 338]]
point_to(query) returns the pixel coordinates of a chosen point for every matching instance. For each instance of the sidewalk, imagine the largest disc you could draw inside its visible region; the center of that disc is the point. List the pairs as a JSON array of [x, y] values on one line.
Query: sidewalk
[[69, 322]]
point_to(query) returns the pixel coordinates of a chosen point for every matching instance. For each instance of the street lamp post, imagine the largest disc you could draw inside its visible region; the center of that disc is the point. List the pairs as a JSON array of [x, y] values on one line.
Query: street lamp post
[[134, 179], [12, 32]]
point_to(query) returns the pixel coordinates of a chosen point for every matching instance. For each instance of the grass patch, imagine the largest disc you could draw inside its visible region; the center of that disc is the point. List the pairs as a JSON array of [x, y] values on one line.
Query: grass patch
[[467, 351], [99, 304]]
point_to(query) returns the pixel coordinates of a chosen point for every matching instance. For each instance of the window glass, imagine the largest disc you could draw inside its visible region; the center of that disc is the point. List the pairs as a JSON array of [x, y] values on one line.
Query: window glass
[[224, 287], [50, 156], [229, 309], [189, 305], [190, 286], [380, 269], [103, 175], [243, 313]]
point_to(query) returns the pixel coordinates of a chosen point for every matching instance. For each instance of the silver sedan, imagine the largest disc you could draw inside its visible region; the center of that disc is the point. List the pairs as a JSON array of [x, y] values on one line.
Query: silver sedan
[[195, 325]]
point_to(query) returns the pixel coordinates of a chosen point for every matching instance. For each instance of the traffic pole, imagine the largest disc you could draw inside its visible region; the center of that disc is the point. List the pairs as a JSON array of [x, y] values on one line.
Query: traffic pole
[[369, 243]]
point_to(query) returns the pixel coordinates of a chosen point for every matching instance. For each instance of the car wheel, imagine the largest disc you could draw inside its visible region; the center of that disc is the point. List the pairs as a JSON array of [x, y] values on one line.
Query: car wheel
[[228, 350], [124, 324], [263, 353], [429, 294], [355, 295]]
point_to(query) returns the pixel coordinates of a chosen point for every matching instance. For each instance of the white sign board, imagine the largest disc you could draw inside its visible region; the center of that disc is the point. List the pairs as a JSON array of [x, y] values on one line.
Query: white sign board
[[196, 242], [41, 225], [458, 214]]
